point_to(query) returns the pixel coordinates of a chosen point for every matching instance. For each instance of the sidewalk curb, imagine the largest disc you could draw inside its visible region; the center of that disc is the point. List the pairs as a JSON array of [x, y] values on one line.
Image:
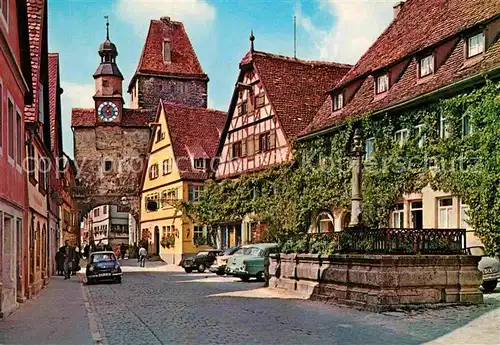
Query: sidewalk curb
[[95, 324]]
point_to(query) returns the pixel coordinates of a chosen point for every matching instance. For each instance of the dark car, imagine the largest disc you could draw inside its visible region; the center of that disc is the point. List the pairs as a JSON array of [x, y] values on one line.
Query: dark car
[[201, 261], [103, 266]]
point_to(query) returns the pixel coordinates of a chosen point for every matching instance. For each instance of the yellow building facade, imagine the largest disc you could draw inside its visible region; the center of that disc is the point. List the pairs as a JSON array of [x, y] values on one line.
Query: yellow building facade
[[177, 167]]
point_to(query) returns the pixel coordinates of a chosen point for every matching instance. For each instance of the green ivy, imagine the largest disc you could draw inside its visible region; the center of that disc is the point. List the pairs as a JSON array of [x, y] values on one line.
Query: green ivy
[[285, 198]]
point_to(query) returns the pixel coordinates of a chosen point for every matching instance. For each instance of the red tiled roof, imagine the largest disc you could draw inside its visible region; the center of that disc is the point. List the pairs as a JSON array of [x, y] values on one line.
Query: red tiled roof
[[131, 117], [35, 20], [408, 86], [194, 133], [296, 88], [53, 85], [420, 24], [184, 61]]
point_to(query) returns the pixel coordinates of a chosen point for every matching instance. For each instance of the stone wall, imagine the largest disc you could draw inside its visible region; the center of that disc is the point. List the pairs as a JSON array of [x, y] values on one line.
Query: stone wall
[[379, 282], [191, 92], [126, 149]]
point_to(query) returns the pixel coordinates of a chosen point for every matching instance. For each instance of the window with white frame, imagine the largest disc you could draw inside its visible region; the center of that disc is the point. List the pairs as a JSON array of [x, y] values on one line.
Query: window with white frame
[[475, 45], [10, 128], [466, 125], [464, 216], [398, 216], [200, 163], [417, 214], [167, 166], [198, 233], [325, 222], [369, 147], [400, 136], [420, 135], [19, 136], [194, 192], [338, 101], [444, 125], [382, 83], [153, 171], [426, 65], [445, 211]]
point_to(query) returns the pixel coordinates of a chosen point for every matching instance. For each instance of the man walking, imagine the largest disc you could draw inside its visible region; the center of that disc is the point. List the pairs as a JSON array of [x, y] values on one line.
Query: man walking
[[122, 251], [143, 253], [69, 253]]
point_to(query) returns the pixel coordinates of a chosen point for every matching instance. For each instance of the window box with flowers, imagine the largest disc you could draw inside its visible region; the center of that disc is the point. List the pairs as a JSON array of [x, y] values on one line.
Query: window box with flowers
[[168, 241]]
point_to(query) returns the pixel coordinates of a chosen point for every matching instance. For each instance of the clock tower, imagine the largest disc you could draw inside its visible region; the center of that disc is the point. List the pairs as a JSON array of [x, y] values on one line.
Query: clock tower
[[108, 84]]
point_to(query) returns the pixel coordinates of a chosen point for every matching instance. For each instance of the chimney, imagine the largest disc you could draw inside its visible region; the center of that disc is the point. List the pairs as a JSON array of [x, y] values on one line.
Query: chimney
[[397, 8], [165, 19]]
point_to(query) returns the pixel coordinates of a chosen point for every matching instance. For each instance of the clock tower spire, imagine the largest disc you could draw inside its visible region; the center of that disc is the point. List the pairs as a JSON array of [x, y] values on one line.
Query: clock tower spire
[[108, 95]]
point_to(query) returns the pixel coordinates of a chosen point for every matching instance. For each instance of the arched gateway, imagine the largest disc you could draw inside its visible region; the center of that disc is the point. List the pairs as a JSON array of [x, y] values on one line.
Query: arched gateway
[[111, 142]]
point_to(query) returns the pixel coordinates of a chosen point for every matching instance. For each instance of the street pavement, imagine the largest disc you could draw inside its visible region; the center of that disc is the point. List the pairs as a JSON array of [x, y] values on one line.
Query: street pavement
[[163, 305], [57, 315], [160, 304]]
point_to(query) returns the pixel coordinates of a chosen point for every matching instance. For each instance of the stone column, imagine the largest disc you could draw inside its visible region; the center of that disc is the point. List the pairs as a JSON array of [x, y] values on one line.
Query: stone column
[[357, 167]]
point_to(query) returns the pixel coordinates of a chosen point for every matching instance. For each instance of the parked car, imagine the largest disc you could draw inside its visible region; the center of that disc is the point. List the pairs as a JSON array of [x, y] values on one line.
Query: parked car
[[103, 266], [248, 261], [219, 266], [490, 267], [201, 261]]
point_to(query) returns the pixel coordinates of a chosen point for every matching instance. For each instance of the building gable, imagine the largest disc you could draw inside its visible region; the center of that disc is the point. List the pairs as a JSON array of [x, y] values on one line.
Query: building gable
[[253, 138]]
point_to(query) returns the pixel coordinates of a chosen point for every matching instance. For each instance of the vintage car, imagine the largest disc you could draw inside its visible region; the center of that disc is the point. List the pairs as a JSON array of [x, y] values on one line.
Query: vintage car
[[490, 267], [248, 261], [219, 266], [201, 261], [103, 266]]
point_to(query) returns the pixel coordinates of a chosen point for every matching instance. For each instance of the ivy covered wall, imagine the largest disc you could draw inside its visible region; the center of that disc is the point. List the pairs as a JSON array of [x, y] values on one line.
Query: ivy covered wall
[[452, 145]]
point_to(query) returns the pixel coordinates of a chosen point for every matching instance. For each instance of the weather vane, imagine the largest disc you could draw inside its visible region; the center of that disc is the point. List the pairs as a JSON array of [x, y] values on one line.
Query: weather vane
[[107, 27]]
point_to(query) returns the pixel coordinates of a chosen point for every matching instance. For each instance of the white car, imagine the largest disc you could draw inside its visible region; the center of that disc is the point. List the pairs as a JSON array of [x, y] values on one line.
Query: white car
[[490, 267]]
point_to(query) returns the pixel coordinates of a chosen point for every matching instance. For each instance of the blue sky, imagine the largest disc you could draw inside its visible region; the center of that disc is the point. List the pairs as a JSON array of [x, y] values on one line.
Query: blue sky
[[332, 30]]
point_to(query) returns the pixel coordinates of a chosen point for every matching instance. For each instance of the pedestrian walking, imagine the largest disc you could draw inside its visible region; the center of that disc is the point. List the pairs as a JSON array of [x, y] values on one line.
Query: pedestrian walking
[[76, 259], [69, 256], [60, 256], [86, 251], [117, 252], [122, 251], [143, 253]]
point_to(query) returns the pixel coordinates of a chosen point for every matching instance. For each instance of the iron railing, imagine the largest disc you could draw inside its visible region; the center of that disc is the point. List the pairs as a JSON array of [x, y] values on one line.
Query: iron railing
[[383, 241]]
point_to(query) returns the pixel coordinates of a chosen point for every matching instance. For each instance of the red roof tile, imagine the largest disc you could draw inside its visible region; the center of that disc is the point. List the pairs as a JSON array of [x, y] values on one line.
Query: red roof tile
[[296, 88], [194, 133], [36, 13], [420, 24], [408, 86], [55, 118], [131, 117], [184, 61]]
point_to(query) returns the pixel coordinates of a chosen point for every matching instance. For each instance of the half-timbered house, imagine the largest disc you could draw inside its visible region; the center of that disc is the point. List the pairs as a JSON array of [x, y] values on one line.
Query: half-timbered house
[[274, 99]]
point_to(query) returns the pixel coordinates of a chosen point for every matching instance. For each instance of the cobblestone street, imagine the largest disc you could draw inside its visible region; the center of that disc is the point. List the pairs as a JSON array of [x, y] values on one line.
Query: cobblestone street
[[162, 305]]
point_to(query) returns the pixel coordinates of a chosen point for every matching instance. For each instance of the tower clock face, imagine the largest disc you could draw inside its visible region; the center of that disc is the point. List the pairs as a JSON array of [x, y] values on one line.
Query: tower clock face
[[108, 111]]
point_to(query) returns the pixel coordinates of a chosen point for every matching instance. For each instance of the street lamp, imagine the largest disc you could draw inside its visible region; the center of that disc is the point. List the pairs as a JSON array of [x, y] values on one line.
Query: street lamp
[[357, 154]]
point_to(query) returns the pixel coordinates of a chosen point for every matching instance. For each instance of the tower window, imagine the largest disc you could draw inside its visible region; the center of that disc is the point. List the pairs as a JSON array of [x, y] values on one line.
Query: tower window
[[105, 83], [167, 52]]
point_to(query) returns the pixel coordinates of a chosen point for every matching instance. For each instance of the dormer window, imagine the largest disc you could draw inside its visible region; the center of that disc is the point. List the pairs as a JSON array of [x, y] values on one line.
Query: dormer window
[[338, 101], [475, 45], [426, 66], [382, 84], [167, 52], [200, 163]]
